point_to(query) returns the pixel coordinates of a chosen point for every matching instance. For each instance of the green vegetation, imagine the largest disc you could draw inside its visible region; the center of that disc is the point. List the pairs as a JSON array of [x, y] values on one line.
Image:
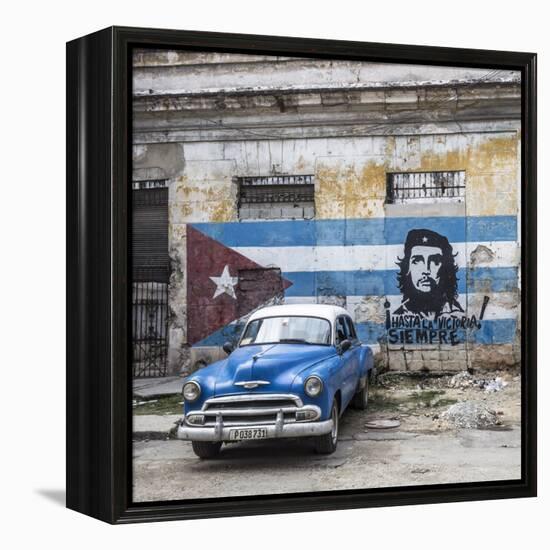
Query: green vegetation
[[170, 404]]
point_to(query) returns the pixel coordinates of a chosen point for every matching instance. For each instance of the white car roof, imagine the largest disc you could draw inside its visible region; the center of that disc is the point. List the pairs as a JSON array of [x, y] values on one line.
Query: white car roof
[[324, 311]]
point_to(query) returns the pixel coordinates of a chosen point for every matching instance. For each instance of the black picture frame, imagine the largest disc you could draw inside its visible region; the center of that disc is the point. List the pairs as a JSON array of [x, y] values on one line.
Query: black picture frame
[[98, 166]]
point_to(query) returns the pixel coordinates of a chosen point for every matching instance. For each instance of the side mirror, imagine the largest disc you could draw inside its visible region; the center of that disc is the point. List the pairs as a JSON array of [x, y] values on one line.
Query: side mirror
[[344, 346], [227, 347]]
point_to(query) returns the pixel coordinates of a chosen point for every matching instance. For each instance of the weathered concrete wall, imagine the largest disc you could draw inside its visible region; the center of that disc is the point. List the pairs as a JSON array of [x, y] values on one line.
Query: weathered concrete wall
[[277, 211], [442, 120], [347, 184], [167, 73]]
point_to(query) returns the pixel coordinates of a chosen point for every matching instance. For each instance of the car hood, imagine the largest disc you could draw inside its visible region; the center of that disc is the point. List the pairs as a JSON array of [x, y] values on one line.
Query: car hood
[[277, 364]]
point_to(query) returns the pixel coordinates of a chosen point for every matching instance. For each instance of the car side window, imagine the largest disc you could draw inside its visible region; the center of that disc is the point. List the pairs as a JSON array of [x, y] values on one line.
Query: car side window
[[352, 335], [341, 330]]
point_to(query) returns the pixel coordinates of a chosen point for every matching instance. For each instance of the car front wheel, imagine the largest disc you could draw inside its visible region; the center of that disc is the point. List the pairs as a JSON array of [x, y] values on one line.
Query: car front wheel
[[326, 444], [205, 449]]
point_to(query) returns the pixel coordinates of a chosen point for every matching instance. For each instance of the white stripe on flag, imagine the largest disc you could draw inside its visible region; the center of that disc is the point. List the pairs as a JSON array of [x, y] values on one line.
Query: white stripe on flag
[[501, 305], [372, 257]]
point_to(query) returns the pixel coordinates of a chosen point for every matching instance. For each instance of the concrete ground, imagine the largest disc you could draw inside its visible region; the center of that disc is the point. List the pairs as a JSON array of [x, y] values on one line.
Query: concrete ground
[[424, 449]]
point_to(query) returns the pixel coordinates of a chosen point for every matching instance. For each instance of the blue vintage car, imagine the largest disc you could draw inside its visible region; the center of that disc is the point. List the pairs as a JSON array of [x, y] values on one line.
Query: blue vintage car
[[294, 372]]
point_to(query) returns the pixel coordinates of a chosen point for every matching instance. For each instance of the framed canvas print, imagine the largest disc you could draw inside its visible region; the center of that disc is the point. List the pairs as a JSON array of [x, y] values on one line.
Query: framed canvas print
[[301, 274]]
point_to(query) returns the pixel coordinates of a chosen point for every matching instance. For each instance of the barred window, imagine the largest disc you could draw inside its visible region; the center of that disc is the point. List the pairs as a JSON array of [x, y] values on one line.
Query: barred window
[[415, 187], [276, 197], [149, 184]]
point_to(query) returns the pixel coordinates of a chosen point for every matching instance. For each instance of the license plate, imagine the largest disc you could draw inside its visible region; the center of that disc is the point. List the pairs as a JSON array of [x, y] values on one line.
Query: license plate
[[247, 433]]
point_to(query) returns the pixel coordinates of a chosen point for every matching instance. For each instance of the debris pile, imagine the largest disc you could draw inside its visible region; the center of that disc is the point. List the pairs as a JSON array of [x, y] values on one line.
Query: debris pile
[[470, 414], [464, 380], [496, 384]]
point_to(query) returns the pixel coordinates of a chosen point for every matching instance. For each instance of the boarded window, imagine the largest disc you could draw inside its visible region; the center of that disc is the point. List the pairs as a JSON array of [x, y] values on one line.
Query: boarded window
[[276, 197], [428, 187]]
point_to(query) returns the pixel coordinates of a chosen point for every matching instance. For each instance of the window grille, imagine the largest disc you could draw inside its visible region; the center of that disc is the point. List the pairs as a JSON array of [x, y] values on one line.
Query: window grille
[[150, 184], [412, 187], [276, 189], [276, 197]]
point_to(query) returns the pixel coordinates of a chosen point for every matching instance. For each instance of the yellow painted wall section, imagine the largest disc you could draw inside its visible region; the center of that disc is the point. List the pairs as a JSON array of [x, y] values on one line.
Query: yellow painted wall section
[[491, 165], [346, 190], [356, 188], [202, 200]]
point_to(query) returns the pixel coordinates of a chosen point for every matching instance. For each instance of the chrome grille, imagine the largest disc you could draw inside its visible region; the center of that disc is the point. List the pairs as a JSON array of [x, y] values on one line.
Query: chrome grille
[[252, 420], [250, 409], [256, 404]]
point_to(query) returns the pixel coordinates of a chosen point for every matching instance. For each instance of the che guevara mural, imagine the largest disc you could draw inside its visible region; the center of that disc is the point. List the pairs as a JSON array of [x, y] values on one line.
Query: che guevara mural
[[430, 311]]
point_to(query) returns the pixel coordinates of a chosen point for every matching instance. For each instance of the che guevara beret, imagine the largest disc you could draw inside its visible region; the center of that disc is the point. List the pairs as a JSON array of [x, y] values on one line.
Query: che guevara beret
[[425, 237]]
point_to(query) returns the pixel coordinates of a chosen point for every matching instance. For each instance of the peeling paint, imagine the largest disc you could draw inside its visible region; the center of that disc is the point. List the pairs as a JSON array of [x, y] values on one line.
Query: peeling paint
[[351, 191], [482, 254]]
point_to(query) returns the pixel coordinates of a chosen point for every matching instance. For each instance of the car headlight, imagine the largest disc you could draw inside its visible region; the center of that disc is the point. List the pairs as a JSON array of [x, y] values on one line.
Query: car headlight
[[313, 386], [191, 391]]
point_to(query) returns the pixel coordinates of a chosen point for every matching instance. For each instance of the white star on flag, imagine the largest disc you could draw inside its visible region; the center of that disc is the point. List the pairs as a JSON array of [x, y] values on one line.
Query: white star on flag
[[225, 283]]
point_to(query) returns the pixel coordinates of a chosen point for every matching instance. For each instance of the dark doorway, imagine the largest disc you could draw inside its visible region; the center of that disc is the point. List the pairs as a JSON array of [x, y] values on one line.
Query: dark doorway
[[150, 275]]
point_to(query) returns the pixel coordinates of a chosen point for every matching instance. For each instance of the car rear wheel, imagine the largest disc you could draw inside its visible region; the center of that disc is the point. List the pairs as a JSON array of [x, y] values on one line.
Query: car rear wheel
[[326, 444], [361, 398], [205, 449]]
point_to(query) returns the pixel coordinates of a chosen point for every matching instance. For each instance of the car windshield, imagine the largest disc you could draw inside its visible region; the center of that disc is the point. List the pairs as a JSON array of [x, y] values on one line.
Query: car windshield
[[287, 330]]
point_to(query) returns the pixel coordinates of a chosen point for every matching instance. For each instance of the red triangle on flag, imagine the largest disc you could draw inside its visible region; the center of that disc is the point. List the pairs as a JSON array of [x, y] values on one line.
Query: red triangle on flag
[[223, 285]]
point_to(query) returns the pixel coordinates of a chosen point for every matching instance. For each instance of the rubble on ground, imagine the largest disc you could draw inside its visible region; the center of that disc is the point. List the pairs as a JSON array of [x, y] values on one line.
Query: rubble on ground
[[496, 384], [464, 380], [470, 414]]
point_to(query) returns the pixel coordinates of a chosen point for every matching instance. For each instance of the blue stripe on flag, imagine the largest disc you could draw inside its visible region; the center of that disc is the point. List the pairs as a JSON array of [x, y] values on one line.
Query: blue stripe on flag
[[494, 331], [497, 331], [384, 282], [348, 232]]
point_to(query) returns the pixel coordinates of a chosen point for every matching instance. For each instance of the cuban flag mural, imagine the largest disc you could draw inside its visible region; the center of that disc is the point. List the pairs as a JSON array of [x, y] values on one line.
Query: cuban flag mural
[[223, 286], [406, 281]]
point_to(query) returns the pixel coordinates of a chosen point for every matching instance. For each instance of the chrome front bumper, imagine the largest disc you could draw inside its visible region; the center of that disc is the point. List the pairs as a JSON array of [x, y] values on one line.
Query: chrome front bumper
[[221, 432], [248, 412]]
